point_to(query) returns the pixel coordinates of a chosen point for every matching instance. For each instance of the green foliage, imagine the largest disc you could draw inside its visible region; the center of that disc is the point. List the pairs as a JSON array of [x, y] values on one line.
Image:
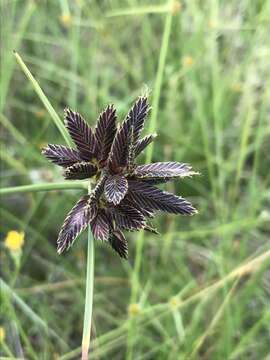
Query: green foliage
[[201, 289]]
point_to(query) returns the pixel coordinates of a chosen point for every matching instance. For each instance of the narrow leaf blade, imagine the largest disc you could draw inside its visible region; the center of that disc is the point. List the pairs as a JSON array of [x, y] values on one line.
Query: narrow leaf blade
[[59, 124]]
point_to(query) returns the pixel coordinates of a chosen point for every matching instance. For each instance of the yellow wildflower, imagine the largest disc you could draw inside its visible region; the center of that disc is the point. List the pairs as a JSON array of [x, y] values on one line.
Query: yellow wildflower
[[66, 20], [14, 240], [187, 61], [2, 334], [134, 309]]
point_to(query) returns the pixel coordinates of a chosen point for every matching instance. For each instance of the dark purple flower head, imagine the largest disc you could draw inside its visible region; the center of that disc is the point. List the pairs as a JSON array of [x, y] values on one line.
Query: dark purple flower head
[[124, 196]]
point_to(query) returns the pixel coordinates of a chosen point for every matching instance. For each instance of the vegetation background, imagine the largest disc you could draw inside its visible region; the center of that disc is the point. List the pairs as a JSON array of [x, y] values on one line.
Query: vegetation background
[[203, 289]]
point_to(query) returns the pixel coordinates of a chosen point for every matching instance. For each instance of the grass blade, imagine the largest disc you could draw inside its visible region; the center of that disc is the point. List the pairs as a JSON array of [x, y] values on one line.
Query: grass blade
[[44, 100]]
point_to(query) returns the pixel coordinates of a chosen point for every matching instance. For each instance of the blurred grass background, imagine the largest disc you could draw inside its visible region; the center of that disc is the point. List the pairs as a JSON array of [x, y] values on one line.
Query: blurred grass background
[[204, 283]]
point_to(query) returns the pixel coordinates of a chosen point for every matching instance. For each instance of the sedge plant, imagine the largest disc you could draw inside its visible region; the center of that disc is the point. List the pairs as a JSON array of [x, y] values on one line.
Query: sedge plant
[[122, 195]]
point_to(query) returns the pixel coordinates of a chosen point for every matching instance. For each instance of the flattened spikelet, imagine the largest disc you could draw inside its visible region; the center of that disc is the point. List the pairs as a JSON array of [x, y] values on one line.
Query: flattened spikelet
[[61, 155], [156, 199], [164, 170], [116, 187], [100, 226], [143, 143], [128, 218], [81, 170], [81, 134], [77, 220], [119, 243], [105, 131], [137, 115]]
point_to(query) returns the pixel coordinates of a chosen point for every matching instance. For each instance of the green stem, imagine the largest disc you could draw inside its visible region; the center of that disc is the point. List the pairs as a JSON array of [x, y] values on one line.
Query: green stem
[[88, 296], [65, 185]]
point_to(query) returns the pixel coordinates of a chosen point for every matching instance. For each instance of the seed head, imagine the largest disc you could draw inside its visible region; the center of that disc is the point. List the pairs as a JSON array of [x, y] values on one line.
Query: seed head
[[125, 195]]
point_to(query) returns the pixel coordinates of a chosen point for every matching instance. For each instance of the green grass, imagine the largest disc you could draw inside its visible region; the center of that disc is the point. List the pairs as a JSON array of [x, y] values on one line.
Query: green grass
[[203, 285]]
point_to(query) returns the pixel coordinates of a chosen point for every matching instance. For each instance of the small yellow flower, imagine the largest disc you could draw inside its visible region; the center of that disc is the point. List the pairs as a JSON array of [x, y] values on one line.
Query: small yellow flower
[[66, 20], [134, 309], [176, 7], [174, 302], [2, 334], [187, 61], [14, 240]]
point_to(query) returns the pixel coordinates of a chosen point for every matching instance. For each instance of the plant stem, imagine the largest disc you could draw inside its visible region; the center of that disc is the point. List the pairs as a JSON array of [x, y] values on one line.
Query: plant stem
[[88, 295], [65, 185]]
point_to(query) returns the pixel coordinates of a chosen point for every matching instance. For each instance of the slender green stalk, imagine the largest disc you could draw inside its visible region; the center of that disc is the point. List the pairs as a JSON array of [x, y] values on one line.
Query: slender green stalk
[[67, 185], [44, 99], [88, 295]]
